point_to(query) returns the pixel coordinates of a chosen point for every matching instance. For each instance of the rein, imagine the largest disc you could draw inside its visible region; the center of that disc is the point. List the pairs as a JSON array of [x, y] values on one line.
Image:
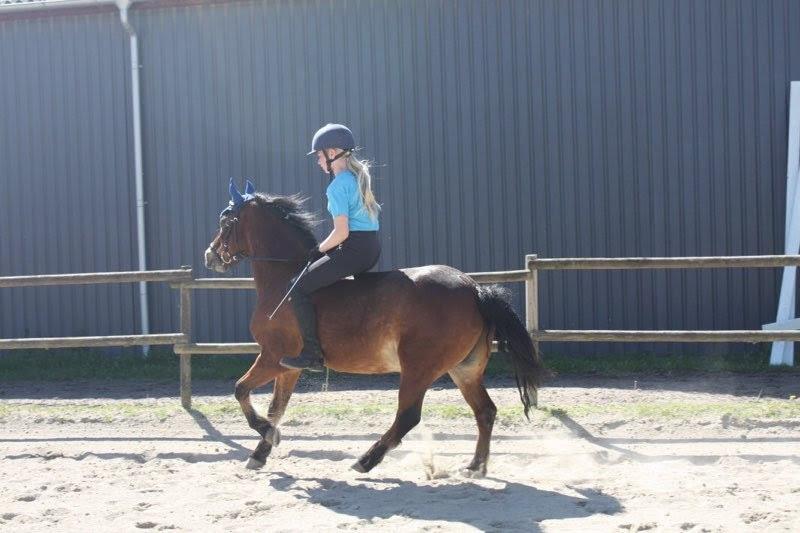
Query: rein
[[266, 258]]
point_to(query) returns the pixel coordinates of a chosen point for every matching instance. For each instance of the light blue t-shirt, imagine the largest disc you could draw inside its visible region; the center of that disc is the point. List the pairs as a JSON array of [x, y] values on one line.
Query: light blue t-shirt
[[344, 199]]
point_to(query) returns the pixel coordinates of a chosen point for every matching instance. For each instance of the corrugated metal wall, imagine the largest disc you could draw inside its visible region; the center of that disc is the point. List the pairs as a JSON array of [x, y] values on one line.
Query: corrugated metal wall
[[501, 128], [66, 189]]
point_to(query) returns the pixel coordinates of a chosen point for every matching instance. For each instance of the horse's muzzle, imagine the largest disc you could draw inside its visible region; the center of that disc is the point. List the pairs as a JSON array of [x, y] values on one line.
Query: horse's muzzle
[[214, 262]]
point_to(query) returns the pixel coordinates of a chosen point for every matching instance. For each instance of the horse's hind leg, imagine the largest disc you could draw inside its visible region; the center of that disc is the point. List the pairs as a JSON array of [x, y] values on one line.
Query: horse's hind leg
[[409, 409], [284, 386], [483, 407], [468, 376]]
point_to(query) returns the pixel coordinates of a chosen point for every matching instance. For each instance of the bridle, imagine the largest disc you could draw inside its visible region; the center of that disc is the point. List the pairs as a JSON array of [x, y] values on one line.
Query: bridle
[[230, 226]]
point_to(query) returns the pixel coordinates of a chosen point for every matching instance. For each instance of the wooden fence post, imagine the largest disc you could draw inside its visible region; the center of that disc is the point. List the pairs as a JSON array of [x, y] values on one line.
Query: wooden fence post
[[186, 358], [531, 294], [532, 304]]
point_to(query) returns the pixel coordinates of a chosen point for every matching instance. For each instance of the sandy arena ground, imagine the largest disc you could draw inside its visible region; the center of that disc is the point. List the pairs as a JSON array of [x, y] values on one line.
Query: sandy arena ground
[[124, 457]]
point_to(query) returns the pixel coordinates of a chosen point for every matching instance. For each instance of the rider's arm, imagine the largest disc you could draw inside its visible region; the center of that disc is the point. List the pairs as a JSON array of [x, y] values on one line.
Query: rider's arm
[[340, 232]]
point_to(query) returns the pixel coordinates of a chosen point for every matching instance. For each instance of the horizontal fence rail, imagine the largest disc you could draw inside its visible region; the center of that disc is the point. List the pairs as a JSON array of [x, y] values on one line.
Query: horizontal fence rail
[[212, 348], [217, 283], [561, 335], [95, 278], [629, 263], [90, 342]]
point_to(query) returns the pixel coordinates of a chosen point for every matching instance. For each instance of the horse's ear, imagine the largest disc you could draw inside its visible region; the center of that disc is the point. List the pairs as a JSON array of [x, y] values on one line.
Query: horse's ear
[[236, 196], [249, 188]]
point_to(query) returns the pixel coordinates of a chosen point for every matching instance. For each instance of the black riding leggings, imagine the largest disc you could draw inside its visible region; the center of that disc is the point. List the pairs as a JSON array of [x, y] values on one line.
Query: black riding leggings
[[358, 253]]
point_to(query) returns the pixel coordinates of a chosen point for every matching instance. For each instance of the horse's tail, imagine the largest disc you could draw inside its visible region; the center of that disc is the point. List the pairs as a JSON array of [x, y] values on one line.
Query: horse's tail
[[528, 368]]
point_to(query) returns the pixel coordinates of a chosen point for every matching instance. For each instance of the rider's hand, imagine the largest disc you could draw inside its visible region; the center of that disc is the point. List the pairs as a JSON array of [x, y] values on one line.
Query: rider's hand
[[314, 254]]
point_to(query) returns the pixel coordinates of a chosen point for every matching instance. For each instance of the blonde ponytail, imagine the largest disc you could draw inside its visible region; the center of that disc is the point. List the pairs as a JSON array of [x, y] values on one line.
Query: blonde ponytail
[[361, 170]]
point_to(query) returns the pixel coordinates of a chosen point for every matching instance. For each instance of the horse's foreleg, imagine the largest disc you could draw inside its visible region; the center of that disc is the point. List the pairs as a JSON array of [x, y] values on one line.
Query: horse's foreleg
[[284, 386], [409, 410], [261, 373]]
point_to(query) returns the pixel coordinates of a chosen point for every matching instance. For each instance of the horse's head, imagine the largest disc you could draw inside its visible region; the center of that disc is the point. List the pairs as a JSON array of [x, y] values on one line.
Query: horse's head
[[261, 227]]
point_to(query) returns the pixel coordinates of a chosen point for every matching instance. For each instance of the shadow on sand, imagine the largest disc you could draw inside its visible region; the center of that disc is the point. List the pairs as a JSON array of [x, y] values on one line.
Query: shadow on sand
[[504, 505]]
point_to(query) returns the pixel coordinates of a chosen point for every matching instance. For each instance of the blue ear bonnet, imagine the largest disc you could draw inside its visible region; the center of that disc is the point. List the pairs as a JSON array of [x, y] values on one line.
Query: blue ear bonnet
[[238, 199]]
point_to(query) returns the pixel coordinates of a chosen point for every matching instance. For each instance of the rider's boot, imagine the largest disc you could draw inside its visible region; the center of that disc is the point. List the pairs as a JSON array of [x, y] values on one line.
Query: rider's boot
[[310, 357]]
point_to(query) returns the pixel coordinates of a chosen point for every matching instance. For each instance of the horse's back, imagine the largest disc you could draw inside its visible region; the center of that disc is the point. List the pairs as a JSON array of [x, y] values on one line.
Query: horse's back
[[366, 323], [443, 275], [416, 286]]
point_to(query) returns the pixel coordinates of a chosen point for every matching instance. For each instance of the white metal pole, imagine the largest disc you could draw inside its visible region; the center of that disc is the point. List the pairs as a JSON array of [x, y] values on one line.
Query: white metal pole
[[139, 173], [783, 351]]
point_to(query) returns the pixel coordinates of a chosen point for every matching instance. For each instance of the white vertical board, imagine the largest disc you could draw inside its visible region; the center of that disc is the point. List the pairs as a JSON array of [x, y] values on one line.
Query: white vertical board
[[782, 351]]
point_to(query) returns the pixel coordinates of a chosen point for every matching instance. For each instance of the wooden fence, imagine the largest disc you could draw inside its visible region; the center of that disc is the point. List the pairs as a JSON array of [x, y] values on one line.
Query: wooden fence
[[183, 281], [169, 276]]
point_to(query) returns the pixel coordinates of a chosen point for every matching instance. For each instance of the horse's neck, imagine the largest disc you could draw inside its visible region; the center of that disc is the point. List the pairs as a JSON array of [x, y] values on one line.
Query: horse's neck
[[272, 278]]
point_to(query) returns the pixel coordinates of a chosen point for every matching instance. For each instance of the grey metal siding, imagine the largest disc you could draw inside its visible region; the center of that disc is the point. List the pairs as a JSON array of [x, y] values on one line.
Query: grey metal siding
[[586, 128], [66, 202]]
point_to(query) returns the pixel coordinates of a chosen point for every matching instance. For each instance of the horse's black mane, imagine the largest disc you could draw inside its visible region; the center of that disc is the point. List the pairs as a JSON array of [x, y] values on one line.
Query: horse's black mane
[[290, 208]]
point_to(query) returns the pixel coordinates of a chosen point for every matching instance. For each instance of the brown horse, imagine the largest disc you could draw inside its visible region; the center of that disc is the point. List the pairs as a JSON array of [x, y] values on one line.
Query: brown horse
[[421, 322]]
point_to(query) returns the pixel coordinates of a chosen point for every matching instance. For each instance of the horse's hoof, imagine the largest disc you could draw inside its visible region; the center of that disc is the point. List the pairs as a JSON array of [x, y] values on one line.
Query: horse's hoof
[[272, 436], [358, 467], [254, 464], [479, 473]]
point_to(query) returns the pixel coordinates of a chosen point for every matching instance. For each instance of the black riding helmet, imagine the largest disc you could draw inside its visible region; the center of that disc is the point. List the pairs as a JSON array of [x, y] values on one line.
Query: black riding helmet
[[333, 136]]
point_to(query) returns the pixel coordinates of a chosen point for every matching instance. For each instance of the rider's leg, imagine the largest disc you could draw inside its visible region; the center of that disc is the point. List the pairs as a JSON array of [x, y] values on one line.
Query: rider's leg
[[348, 259], [311, 355]]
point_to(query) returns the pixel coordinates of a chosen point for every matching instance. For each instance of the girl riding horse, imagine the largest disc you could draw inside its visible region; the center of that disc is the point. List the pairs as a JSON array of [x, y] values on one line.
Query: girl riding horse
[[352, 246], [421, 322]]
